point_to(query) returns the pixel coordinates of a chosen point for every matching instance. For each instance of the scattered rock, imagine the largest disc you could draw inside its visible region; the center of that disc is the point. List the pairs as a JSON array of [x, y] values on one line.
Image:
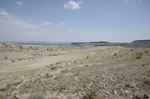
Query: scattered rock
[[12, 60], [54, 67], [16, 82], [5, 58], [3, 88]]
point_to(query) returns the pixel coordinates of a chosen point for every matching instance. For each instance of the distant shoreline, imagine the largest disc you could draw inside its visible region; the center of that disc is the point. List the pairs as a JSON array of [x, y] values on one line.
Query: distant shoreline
[[45, 44]]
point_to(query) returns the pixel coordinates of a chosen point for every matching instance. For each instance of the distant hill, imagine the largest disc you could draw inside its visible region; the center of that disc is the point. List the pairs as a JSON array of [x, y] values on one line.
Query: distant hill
[[136, 43], [139, 43]]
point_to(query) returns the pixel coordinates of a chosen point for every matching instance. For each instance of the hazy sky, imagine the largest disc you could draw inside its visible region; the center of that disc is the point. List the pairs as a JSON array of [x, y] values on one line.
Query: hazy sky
[[74, 20]]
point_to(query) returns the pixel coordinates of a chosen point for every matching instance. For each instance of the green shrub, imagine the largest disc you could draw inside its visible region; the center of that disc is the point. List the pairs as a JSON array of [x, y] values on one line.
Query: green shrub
[[127, 85], [131, 49], [47, 75], [147, 82], [36, 96], [91, 94], [138, 57], [115, 54], [143, 64]]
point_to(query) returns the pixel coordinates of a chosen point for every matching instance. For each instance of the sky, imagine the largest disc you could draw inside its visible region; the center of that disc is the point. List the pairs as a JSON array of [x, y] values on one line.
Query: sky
[[74, 20]]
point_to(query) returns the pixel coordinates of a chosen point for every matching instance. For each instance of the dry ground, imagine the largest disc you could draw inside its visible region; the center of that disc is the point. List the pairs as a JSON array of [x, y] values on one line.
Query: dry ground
[[74, 73]]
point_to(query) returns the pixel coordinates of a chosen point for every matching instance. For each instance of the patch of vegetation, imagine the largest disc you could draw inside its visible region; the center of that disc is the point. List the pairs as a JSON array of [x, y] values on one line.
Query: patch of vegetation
[[115, 54], [147, 81], [64, 71], [127, 85], [146, 51], [47, 75], [77, 73], [92, 94], [37, 96], [143, 64], [131, 49], [139, 57], [64, 81]]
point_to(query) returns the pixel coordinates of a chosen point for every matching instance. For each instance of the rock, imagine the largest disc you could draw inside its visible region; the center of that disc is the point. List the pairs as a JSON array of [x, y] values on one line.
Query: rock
[[3, 88], [18, 86], [76, 79], [5, 58], [23, 96], [86, 65], [2, 94], [14, 93], [126, 92], [53, 68], [16, 82], [115, 92], [12, 60], [87, 57]]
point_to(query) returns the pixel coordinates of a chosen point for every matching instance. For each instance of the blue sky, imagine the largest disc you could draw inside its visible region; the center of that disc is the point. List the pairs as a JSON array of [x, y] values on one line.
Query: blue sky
[[74, 20]]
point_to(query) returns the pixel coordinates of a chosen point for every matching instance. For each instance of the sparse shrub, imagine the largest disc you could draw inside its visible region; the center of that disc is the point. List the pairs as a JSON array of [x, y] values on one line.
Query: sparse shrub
[[115, 54], [91, 94], [147, 81], [36, 96], [138, 57], [146, 51], [131, 49], [64, 71], [47, 75], [127, 85], [77, 73], [143, 64]]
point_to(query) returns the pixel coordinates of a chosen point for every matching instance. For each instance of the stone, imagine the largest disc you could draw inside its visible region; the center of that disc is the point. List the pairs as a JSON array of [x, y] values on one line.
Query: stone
[[115, 92], [126, 91], [14, 93], [16, 82], [3, 88], [53, 68]]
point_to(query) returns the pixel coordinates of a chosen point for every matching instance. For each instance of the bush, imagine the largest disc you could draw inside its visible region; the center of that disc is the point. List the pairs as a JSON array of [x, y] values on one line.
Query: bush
[[115, 54], [36, 96], [91, 94], [147, 82], [131, 49], [47, 75], [138, 57]]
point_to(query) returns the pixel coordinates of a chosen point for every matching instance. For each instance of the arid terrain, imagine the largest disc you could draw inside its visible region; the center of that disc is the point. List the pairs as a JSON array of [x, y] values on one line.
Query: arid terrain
[[63, 72]]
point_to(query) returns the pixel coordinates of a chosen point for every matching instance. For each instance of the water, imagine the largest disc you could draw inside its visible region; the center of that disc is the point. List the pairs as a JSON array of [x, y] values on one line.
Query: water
[[46, 44]]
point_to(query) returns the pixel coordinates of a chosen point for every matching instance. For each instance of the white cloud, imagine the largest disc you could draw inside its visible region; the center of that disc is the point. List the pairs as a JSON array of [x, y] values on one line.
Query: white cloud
[[19, 3], [73, 5], [62, 24], [12, 26], [45, 23]]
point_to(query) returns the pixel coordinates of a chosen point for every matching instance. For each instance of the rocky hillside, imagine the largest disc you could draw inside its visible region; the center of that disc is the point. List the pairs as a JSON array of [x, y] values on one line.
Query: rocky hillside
[[139, 43]]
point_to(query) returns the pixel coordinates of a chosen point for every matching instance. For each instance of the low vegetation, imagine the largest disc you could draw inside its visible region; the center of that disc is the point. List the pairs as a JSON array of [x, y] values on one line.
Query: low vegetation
[[139, 57], [37, 96]]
